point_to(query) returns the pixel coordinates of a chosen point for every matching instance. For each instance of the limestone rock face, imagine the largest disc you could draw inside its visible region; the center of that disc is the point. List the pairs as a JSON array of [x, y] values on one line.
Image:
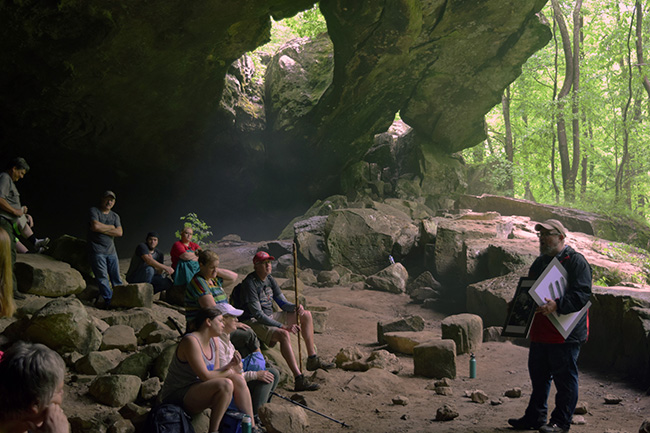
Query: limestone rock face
[[362, 239], [64, 325], [42, 275], [115, 390]]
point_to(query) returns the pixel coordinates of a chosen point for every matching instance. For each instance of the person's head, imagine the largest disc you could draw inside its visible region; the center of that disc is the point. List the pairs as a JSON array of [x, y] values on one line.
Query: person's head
[[31, 378], [186, 234], [551, 234], [208, 263], [229, 316], [108, 200], [262, 264], [7, 306], [152, 240], [18, 168], [210, 319]]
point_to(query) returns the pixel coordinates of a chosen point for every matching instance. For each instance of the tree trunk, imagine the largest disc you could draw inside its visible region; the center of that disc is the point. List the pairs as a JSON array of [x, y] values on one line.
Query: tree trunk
[[508, 144], [563, 147], [639, 46]]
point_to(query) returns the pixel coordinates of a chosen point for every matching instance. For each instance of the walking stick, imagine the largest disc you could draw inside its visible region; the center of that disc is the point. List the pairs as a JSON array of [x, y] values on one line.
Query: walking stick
[[310, 409], [295, 291]]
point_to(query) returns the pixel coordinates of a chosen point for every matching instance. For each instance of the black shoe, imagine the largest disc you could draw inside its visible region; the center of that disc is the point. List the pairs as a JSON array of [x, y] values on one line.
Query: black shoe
[[553, 428], [524, 424]]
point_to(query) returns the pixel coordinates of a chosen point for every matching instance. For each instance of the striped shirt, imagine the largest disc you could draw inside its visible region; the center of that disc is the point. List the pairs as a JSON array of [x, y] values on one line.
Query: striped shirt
[[198, 287]]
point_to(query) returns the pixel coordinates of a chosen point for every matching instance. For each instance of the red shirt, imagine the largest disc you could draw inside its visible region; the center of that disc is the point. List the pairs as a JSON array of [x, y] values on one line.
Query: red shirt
[[179, 248]]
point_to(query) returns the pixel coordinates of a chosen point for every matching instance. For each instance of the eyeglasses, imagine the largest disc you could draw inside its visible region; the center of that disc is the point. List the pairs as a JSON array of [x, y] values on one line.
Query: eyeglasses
[[545, 234]]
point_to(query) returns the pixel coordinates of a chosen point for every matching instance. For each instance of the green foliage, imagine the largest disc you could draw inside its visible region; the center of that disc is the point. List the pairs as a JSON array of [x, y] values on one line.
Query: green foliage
[[622, 253], [603, 94], [201, 228]]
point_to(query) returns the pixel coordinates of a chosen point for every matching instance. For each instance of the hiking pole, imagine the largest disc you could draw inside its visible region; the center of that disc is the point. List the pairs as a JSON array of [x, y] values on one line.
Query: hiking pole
[[295, 290], [308, 408]]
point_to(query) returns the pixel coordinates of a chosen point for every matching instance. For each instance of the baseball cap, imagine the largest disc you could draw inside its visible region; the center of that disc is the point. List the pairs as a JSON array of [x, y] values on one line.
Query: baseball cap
[[226, 308], [551, 225], [262, 256], [109, 194]]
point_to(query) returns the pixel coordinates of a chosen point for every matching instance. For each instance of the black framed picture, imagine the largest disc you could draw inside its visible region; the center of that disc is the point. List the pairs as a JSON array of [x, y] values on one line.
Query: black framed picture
[[521, 313]]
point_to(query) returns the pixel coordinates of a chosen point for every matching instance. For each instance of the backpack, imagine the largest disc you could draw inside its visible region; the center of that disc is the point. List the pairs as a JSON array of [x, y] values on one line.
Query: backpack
[[168, 418], [235, 297], [231, 422]]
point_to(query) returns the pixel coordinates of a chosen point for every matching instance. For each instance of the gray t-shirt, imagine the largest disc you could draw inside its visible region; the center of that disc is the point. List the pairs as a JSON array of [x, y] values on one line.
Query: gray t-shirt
[[9, 192], [99, 243]]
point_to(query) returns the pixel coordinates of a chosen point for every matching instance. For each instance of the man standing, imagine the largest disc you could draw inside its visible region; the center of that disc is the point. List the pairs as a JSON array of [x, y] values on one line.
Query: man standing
[[551, 357], [258, 291], [148, 265], [104, 226], [13, 214]]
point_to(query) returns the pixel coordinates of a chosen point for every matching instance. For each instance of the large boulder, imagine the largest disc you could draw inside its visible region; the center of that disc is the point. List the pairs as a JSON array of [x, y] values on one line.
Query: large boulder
[[310, 242], [73, 251], [391, 279], [64, 325], [42, 275], [362, 239]]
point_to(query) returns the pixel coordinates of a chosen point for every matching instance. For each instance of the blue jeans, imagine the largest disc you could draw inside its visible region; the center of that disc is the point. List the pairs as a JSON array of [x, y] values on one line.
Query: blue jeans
[[556, 362], [106, 266], [147, 274]]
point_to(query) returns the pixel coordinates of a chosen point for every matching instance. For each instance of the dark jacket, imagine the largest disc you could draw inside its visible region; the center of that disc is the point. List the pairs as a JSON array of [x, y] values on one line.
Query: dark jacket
[[575, 297]]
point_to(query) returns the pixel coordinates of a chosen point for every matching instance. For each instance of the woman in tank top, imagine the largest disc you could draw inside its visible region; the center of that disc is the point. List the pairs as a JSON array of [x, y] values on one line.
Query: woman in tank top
[[196, 381]]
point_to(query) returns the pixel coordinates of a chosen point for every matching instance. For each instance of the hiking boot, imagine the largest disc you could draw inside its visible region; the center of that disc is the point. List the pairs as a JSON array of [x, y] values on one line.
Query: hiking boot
[[41, 243], [315, 362], [524, 424], [553, 428], [304, 384]]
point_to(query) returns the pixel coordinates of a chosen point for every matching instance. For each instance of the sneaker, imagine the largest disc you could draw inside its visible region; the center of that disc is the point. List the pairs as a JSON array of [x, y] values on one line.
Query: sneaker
[[315, 362], [553, 428], [524, 424], [304, 384], [41, 243]]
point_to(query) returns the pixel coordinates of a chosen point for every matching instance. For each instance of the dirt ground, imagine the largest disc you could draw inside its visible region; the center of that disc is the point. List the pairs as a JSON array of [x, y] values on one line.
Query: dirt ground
[[363, 401]]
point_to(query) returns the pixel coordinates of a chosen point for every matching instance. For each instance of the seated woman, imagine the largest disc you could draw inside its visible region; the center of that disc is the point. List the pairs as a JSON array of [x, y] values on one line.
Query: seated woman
[[196, 381], [185, 258], [206, 290], [260, 381], [31, 390]]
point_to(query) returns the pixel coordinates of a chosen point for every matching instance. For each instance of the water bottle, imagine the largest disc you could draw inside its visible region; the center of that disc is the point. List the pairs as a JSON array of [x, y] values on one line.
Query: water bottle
[[472, 366], [391, 260], [246, 424]]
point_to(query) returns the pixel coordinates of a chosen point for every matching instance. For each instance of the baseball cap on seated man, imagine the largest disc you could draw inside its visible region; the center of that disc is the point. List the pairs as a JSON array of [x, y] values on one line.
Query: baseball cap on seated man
[[109, 194], [551, 225], [262, 256], [228, 309]]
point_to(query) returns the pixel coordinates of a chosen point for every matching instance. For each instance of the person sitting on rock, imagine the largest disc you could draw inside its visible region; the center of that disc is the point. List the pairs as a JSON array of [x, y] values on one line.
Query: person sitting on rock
[[195, 379], [185, 258], [260, 378], [206, 290], [258, 291], [31, 390], [14, 217], [148, 265]]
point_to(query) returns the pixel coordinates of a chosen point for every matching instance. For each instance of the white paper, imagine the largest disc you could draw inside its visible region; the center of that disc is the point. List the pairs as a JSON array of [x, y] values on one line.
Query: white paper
[[551, 285]]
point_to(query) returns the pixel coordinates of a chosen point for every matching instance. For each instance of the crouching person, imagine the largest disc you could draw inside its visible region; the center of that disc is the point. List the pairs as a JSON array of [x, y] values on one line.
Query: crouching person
[[195, 380], [31, 390]]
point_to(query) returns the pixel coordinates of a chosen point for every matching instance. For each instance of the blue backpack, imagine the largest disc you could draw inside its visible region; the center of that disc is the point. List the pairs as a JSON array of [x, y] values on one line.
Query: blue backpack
[[168, 418]]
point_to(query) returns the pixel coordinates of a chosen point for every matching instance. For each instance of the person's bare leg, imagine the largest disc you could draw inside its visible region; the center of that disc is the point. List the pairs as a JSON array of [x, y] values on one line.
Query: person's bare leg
[[306, 329], [214, 394], [281, 336], [242, 396], [20, 248]]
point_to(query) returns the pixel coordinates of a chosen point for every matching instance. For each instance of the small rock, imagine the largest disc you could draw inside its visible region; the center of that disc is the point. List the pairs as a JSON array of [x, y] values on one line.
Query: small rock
[[445, 381], [496, 402], [513, 393], [582, 408], [404, 417], [444, 390], [612, 399], [400, 400], [645, 426], [578, 420], [446, 413], [479, 396]]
